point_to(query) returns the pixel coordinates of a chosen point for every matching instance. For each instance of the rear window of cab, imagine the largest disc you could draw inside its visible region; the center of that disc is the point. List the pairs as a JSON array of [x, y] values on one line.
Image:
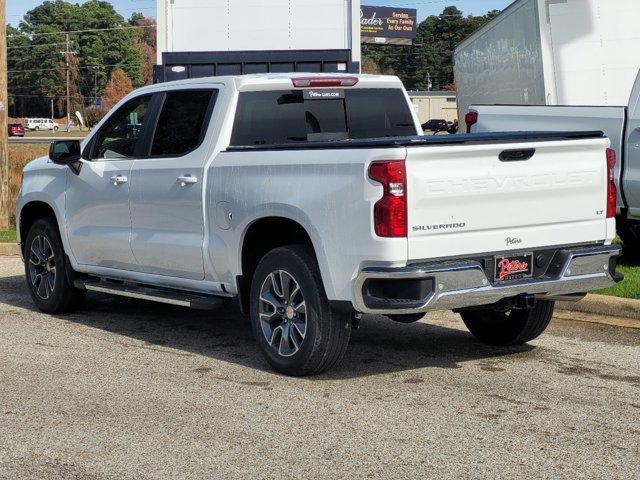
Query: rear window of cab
[[313, 115]]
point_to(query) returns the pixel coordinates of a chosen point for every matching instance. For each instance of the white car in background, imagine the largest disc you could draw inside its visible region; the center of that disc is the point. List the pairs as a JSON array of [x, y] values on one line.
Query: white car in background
[[41, 124]]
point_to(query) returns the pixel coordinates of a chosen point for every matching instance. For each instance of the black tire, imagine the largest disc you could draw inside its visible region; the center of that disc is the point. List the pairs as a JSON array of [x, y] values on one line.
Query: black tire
[[326, 330], [513, 327], [61, 296]]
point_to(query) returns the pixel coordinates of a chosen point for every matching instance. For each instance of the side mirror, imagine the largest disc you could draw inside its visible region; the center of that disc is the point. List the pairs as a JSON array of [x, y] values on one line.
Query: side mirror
[[66, 152]]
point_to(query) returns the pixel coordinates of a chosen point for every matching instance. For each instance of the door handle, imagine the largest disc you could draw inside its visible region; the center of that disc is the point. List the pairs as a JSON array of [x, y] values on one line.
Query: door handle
[[517, 155], [187, 180], [119, 179]]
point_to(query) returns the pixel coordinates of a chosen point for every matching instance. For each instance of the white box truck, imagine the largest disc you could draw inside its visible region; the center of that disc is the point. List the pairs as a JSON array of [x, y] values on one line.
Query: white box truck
[[552, 52], [233, 37]]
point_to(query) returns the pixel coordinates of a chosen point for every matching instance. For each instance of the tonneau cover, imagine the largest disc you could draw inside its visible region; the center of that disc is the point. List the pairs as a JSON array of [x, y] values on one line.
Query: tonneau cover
[[419, 140]]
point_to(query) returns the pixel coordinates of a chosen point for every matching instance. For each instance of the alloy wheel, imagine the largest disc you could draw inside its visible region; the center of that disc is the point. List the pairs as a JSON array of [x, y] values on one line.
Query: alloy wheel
[[283, 313], [42, 267]]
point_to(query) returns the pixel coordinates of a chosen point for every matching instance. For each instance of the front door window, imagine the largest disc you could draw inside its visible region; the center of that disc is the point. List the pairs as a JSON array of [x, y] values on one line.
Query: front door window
[[119, 136]]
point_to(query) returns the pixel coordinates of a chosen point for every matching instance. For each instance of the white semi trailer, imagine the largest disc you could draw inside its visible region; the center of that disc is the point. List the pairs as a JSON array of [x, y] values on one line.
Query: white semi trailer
[[552, 52], [198, 38]]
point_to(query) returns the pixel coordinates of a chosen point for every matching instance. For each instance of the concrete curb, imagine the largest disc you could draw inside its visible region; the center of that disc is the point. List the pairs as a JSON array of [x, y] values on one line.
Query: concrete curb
[[9, 249], [602, 305]]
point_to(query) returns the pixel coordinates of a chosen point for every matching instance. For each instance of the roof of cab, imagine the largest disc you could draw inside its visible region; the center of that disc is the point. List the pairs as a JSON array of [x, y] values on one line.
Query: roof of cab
[[259, 81]]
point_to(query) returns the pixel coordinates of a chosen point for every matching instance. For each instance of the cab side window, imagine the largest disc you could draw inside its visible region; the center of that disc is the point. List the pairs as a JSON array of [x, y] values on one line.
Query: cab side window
[[183, 122], [119, 136]]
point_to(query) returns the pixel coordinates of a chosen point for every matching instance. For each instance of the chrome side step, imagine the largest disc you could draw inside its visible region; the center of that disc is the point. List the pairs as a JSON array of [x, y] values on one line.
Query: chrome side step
[[153, 294]]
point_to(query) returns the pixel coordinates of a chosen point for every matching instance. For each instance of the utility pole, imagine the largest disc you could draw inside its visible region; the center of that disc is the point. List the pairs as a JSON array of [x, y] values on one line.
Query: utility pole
[[4, 154], [68, 52]]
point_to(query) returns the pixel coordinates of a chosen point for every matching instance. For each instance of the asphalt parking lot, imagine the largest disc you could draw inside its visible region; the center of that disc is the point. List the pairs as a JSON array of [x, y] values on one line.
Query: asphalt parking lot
[[134, 390]]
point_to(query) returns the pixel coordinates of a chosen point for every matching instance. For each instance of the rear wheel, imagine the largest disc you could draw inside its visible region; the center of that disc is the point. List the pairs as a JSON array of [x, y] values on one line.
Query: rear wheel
[[298, 331], [511, 327], [45, 269]]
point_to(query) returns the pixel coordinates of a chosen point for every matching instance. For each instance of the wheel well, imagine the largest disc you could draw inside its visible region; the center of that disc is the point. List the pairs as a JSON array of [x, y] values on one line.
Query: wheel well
[[31, 212], [263, 236]]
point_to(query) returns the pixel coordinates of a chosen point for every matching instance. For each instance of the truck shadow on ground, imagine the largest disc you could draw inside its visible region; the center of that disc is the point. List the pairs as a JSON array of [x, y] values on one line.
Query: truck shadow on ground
[[379, 346]]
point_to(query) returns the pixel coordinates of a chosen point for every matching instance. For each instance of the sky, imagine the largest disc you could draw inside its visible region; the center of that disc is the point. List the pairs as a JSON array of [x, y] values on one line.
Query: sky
[[17, 8]]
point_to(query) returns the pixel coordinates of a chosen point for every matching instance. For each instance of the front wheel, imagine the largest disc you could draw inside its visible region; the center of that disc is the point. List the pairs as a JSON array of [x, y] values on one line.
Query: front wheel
[[45, 269], [511, 327], [298, 331]]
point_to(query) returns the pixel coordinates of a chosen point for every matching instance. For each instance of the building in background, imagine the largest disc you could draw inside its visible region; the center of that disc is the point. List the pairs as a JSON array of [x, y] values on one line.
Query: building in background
[[434, 105]]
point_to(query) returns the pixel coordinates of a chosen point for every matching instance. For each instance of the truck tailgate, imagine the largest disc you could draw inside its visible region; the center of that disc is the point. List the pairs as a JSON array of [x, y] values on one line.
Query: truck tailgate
[[483, 198], [514, 118]]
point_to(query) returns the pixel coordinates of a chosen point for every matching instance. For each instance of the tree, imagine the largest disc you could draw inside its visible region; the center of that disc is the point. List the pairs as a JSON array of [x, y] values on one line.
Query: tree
[[119, 86], [60, 89], [18, 88], [145, 42], [147, 32], [369, 65], [109, 45]]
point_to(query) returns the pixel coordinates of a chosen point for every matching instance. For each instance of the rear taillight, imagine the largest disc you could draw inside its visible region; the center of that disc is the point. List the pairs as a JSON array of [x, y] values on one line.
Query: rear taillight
[[390, 212], [470, 119], [306, 82], [612, 191]]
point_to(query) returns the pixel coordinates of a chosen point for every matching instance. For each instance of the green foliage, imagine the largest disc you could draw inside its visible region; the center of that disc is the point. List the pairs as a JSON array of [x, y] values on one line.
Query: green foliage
[[629, 287], [430, 58], [8, 236], [36, 61]]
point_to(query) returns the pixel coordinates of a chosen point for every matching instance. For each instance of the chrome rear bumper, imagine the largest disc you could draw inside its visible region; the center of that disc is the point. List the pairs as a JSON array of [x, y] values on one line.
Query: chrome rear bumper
[[464, 283]]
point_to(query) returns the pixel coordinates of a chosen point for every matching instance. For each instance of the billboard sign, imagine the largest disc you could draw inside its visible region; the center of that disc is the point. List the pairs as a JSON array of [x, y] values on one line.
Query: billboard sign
[[388, 25]]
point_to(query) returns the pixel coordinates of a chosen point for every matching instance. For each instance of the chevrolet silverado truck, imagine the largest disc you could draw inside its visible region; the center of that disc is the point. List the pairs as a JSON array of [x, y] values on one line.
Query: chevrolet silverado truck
[[314, 199], [620, 124]]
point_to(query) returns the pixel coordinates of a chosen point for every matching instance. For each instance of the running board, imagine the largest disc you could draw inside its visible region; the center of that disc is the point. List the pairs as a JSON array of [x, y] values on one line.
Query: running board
[[160, 295]]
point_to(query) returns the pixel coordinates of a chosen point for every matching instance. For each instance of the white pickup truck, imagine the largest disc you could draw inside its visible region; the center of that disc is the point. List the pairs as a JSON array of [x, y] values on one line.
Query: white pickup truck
[[620, 124], [313, 199]]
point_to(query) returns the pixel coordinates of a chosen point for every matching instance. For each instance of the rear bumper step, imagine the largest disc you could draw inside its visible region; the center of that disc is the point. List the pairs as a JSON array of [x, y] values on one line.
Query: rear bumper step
[[458, 284]]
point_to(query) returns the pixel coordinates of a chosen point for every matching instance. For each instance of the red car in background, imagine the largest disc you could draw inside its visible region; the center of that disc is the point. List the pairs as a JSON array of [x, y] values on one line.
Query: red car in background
[[16, 130]]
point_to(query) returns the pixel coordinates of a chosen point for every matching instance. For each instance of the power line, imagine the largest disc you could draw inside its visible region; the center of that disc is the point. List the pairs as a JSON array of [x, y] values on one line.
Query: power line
[[20, 47], [79, 68], [50, 96], [128, 27]]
